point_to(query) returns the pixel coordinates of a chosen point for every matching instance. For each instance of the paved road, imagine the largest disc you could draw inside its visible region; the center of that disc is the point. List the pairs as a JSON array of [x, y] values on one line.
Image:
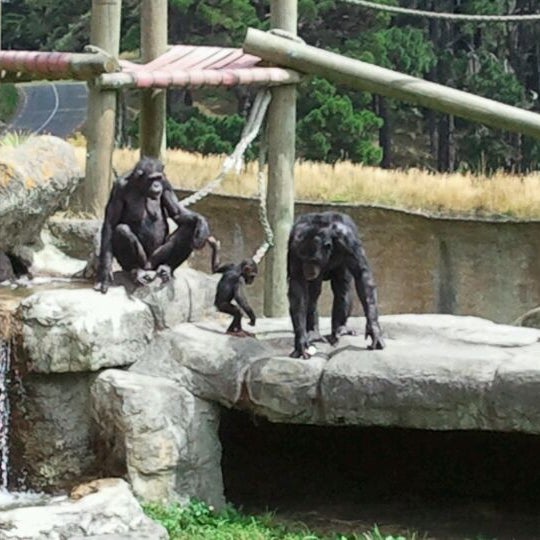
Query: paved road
[[57, 108]]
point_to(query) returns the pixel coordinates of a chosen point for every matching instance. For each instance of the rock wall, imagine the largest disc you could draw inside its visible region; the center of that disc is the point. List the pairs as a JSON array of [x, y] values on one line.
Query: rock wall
[[64, 338]]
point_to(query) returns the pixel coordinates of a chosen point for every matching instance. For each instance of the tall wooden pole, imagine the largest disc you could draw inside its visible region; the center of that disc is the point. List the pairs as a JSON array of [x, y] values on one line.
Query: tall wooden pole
[[153, 101], [105, 34], [281, 155]]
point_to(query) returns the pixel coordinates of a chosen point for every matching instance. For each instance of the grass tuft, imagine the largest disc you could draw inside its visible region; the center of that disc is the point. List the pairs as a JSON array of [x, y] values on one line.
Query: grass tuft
[[197, 521], [14, 138]]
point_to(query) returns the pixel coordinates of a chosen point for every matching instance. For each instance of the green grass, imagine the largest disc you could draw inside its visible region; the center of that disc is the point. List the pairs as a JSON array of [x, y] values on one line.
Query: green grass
[[9, 99], [197, 521]]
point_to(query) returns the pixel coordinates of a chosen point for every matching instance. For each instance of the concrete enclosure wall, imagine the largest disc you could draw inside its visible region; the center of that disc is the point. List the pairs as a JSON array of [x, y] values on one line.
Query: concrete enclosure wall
[[421, 264]]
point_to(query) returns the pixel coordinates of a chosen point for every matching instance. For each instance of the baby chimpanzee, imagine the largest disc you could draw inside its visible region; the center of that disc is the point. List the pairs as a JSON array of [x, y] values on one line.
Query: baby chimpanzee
[[231, 287]]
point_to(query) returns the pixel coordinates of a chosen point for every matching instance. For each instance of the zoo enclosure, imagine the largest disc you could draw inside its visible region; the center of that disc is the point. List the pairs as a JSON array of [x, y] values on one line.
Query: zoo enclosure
[[161, 69]]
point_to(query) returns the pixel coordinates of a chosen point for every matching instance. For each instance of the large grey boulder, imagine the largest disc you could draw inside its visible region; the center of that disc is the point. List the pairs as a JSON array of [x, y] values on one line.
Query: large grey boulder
[[109, 510], [36, 179], [188, 297], [69, 330], [166, 438], [79, 329], [51, 430], [203, 359], [75, 237]]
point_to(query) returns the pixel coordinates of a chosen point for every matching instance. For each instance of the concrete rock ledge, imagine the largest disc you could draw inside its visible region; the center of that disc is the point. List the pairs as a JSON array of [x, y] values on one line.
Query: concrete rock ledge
[[142, 386], [437, 372]]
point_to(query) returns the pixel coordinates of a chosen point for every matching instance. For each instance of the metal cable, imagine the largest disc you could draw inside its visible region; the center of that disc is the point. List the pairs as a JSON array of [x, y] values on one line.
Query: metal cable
[[448, 16]]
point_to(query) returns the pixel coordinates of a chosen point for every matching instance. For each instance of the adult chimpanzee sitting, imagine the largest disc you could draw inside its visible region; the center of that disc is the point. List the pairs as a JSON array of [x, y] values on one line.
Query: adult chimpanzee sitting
[[326, 246], [135, 228]]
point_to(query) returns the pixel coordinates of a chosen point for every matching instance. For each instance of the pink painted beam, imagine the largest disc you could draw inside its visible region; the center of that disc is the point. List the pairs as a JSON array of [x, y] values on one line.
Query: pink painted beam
[[58, 64], [144, 79]]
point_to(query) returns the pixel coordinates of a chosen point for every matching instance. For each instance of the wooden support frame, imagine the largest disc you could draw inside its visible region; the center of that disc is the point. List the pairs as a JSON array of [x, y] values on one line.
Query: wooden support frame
[[57, 65], [281, 156], [386, 82], [152, 125], [100, 130]]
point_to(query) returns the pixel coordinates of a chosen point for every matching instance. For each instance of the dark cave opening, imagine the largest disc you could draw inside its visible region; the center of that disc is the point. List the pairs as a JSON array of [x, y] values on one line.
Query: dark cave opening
[[460, 476]]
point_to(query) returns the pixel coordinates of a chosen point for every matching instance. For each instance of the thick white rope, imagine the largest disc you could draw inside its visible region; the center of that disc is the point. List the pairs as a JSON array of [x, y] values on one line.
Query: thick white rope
[[263, 214], [236, 159], [527, 17]]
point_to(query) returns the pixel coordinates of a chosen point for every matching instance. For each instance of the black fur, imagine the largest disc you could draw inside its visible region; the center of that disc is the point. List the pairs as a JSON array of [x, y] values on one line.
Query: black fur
[[327, 246], [135, 228]]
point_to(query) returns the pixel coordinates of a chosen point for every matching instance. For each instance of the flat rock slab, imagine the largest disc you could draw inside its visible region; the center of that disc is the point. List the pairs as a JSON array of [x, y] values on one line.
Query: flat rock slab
[[437, 372], [106, 509]]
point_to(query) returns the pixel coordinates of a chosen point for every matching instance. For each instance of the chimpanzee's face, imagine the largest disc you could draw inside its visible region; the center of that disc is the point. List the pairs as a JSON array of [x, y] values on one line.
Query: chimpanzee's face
[[249, 271], [314, 251], [148, 173]]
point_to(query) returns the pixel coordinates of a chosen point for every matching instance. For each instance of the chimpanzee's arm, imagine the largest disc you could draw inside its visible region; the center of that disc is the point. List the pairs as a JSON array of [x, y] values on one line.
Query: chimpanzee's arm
[[171, 203], [242, 301], [357, 262], [224, 268], [183, 216], [215, 247], [113, 214]]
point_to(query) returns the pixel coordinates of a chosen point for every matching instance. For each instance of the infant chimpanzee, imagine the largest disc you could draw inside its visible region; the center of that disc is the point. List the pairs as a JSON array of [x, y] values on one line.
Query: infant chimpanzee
[[231, 287]]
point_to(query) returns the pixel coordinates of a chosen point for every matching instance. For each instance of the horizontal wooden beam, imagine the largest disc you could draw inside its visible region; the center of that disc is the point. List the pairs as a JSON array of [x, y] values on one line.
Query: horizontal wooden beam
[[377, 80], [142, 78], [56, 65]]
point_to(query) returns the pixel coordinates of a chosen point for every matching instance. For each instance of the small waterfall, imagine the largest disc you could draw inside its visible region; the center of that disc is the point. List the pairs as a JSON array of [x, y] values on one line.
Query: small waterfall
[[5, 359]]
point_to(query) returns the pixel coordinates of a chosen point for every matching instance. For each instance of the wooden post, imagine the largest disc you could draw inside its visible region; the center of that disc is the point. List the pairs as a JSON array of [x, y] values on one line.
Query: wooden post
[[281, 121], [153, 101], [105, 34], [378, 80]]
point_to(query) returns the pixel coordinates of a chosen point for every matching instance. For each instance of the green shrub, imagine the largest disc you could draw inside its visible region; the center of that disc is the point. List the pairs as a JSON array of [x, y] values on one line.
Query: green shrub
[[206, 134], [329, 129]]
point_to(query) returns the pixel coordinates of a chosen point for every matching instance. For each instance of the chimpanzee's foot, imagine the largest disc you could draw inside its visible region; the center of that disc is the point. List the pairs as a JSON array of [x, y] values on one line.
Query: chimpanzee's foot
[[341, 331], [142, 277], [164, 272], [315, 336], [239, 333], [305, 352]]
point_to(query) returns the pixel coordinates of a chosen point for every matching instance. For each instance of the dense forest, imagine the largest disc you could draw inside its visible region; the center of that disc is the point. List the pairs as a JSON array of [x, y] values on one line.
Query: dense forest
[[497, 60]]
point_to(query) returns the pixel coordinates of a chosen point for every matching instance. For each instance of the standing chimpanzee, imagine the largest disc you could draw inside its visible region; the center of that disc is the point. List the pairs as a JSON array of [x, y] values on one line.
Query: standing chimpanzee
[[136, 232], [326, 246], [231, 287]]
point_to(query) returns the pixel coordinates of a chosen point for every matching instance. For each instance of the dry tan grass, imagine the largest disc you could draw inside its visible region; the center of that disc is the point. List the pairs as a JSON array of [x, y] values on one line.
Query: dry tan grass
[[418, 190]]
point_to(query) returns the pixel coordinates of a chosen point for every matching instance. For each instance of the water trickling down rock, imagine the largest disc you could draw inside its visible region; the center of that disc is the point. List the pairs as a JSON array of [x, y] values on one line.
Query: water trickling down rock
[[5, 356]]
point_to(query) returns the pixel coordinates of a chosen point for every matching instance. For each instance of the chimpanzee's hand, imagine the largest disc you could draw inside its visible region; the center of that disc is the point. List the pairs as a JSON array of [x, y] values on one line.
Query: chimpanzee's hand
[[252, 321], [373, 330]]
